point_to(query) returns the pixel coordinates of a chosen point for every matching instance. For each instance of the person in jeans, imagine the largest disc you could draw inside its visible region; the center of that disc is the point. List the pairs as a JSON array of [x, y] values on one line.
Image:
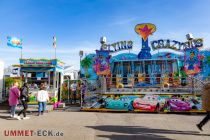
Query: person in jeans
[[74, 92], [206, 105], [42, 98], [14, 94], [24, 98]]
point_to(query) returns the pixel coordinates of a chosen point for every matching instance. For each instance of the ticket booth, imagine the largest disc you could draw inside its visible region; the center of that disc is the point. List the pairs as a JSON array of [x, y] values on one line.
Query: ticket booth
[[48, 71]]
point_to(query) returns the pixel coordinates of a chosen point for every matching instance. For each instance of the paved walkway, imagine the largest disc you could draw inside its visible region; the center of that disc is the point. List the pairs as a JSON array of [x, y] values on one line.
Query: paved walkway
[[106, 126]]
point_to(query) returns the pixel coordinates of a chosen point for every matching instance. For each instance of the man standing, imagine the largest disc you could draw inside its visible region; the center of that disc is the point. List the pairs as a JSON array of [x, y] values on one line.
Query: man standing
[[74, 91]]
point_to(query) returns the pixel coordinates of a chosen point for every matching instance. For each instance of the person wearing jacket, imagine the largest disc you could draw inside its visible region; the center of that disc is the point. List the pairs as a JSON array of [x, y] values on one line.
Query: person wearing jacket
[[83, 92], [42, 98], [24, 98], [206, 105], [14, 94], [74, 91]]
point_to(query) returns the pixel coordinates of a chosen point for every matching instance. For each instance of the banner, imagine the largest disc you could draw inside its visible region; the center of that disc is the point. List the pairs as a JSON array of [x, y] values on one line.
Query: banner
[[191, 61], [14, 42], [39, 74], [102, 62]]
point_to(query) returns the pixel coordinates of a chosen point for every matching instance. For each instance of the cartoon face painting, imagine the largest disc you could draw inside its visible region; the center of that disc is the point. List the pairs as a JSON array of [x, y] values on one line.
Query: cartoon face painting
[[102, 63], [191, 61]]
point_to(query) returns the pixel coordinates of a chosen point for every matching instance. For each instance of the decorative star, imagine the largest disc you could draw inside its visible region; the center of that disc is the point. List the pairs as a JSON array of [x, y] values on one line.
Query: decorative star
[[145, 32]]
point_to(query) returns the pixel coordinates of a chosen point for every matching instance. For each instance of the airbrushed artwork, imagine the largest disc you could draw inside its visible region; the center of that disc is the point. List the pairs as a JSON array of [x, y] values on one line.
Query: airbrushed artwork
[[102, 62], [192, 62]]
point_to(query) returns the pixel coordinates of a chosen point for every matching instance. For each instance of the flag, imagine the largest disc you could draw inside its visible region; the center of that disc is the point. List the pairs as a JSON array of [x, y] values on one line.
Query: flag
[[54, 41], [14, 42]]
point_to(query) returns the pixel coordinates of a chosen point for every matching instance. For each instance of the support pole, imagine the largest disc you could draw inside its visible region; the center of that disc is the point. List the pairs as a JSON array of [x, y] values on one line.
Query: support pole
[[68, 89], [21, 53], [49, 79], [55, 52], [54, 79]]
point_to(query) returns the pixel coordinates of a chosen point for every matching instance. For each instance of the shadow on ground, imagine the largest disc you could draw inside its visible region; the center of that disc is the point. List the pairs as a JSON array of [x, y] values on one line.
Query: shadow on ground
[[7, 118], [139, 132]]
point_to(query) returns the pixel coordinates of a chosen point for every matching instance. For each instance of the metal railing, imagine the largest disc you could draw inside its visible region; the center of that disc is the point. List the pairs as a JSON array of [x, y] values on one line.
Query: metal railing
[[188, 84]]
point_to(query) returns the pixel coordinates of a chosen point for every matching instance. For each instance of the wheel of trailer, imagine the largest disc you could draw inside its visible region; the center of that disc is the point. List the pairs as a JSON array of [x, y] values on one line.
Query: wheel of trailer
[[165, 85], [157, 109], [169, 107], [131, 108]]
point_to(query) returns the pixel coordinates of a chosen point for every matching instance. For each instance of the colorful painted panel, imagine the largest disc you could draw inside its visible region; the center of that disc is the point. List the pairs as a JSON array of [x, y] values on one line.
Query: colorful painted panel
[[88, 67], [148, 103], [191, 61], [102, 62]]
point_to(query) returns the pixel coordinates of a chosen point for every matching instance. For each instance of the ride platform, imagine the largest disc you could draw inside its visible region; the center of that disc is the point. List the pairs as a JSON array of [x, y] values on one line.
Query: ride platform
[[142, 111]]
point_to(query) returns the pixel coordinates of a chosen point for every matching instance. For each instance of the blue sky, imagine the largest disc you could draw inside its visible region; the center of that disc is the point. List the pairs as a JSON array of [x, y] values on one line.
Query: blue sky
[[79, 24]]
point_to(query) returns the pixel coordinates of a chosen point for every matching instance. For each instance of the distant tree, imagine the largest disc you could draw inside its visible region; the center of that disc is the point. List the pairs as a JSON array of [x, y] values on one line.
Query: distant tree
[[9, 81]]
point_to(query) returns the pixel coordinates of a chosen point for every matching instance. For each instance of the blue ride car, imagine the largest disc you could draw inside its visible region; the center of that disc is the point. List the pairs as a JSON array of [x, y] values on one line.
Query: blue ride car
[[123, 103]]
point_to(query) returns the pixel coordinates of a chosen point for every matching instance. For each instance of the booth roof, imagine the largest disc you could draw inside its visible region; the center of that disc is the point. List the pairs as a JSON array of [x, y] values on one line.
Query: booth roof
[[41, 59], [38, 66]]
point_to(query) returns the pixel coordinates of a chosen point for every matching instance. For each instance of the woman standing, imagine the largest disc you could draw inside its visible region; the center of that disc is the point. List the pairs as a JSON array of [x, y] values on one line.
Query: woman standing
[[14, 94], [24, 98], [206, 105], [42, 98]]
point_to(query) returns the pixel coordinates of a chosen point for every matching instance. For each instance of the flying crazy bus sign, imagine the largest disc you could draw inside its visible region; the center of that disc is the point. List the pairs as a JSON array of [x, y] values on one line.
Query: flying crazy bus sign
[[118, 46], [176, 45], [190, 49]]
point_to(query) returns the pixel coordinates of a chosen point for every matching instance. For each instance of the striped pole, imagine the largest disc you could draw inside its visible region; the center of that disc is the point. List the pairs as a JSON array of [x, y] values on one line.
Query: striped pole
[[54, 44]]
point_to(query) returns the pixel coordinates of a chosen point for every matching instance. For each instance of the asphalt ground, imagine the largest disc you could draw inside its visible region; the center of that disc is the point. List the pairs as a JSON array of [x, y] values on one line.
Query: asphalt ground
[[74, 125]]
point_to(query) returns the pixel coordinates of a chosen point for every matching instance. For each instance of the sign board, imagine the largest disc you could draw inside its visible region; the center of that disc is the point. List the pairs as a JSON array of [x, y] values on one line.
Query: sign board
[[41, 63], [39, 78], [36, 62], [176, 45], [118, 46]]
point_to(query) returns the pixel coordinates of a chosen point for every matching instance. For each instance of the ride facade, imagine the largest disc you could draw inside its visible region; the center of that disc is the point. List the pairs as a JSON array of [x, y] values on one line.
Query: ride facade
[[166, 75]]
